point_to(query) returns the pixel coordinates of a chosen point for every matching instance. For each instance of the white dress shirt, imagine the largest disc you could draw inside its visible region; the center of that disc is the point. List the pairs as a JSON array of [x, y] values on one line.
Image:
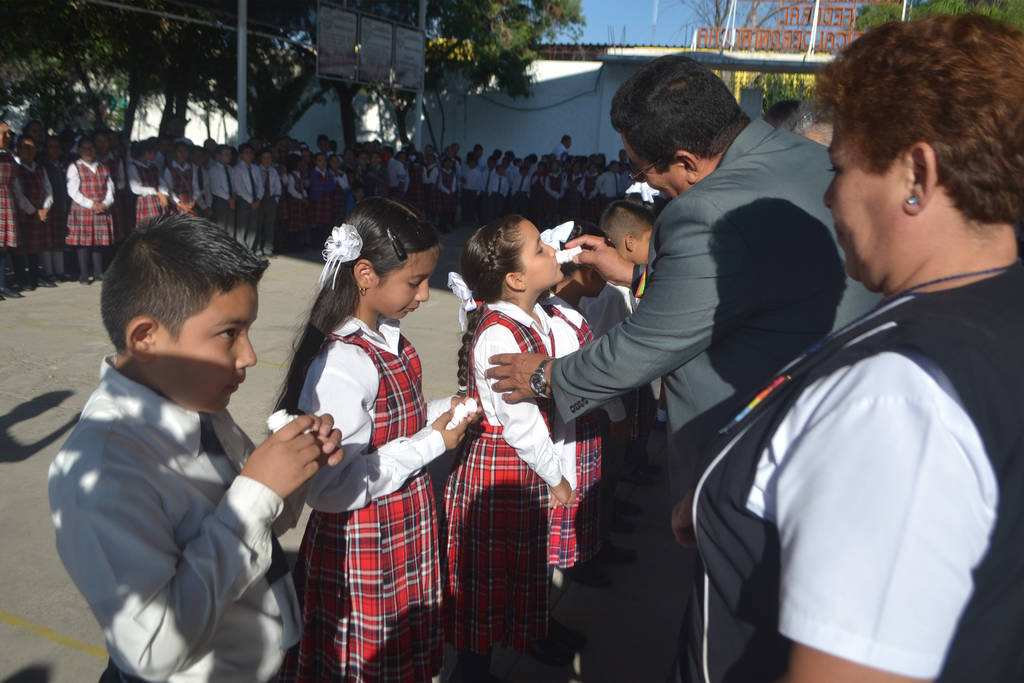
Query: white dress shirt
[[22, 199], [75, 186], [560, 192], [884, 499], [398, 176], [171, 563], [248, 187], [473, 178], [293, 185], [169, 181], [135, 181], [522, 424], [497, 183], [344, 382], [341, 180], [606, 185], [430, 174], [217, 175], [115, 166]]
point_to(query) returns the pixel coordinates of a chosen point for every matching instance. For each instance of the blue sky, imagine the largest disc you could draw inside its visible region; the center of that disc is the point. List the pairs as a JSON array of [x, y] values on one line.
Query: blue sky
[[675, 22]]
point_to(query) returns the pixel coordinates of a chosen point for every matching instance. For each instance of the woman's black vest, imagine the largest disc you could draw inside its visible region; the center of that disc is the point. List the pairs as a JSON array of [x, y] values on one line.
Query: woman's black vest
[[975, 335]]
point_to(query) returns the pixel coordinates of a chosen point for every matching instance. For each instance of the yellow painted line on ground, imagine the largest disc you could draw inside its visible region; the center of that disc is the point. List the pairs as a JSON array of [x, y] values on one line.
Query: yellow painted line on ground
[[48, 328], [270, 363], [51, 635]]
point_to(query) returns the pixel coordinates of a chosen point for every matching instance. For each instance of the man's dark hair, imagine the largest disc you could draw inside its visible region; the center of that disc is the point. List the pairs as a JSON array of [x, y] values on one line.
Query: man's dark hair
[[170, 270], [674, 103], [566, 138], [622, 217]]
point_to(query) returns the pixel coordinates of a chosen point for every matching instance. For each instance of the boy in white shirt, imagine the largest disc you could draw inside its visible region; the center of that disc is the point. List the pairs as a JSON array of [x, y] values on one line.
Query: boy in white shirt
[[162, 508]]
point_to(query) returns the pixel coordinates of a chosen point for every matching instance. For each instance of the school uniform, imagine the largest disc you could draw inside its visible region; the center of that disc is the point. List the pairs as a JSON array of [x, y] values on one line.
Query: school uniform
[[222, 189], [398, 178], [572, 201], [607, 189], [472, 182], [204, 200], [88, 183], [172, 549], [447, 197], [519, 193], [183, 183], [430, 175], [368, 572], [296, 199], [554, 189], [338, 199], [321, 193], [415, 194], [34, 193], [56, 173], [247, 192], [266, 219], [8, 207], [591, 201], [145, 183], [575, 529], [538, 198], [494, 192], [497, 499]]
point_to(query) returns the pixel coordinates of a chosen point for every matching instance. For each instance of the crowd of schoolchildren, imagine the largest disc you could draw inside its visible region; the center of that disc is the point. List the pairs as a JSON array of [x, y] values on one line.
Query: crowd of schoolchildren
[[167, 515], [85, 194]]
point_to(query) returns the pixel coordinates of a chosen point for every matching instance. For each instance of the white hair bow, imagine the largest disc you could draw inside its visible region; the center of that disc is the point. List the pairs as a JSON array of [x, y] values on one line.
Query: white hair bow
[[466, 301], [558, 235], [343, 246]]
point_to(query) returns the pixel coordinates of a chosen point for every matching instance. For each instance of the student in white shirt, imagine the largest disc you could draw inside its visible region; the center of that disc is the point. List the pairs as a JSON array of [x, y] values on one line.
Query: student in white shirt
[[164, 513], [271, 189], [472, 182], [509, 461], [607, 185], [249, 192], [371, 536], [90, 227], [152, 195], [181, 177], [398, 176]]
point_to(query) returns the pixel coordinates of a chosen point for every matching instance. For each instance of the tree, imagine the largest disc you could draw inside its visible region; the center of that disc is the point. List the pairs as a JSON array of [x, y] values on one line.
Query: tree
[[1010, 11]]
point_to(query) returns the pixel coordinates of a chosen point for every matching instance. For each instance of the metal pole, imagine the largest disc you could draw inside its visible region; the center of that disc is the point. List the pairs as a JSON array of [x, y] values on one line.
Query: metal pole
[[419, 93], [904, 16], [240, 94], [814, 28]]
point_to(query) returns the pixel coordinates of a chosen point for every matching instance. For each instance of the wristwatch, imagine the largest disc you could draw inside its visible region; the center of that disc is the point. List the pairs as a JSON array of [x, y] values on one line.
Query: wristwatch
[[539, 381]]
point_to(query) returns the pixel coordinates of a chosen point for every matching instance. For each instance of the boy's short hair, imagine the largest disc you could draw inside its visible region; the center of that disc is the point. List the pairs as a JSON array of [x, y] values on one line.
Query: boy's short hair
[[170, 270], [623, 217]]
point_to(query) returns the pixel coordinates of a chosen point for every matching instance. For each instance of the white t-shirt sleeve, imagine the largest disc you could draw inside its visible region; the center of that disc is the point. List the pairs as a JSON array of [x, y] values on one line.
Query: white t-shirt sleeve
[[884, 499]]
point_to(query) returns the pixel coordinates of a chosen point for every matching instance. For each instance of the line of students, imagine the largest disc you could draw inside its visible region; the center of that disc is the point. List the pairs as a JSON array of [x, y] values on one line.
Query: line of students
[[173, 544]]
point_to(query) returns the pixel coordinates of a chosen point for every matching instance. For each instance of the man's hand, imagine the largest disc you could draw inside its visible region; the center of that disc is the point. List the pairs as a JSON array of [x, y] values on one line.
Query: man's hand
[[43, 213], [513, 371], [603, 258], [255, 204], [682, 522], [289, 457]]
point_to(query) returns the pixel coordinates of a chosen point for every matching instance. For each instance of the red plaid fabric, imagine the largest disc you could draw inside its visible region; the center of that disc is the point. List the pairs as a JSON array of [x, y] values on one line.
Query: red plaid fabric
[[147, 206], [8, 210], [181, 185], [369, 581], [446, 203], [321, 197], [85, 228], [297, 212], [33, 234], [337, 205], [497, 511], [552, 206], [575, 532]]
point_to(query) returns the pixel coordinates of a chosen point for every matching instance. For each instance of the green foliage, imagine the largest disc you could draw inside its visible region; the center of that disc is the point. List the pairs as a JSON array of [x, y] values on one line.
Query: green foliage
[[779, 87], [1010, 11]]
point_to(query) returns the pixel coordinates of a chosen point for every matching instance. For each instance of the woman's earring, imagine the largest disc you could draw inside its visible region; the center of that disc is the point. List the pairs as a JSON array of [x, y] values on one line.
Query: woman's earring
[[912, 200], [362, 291]]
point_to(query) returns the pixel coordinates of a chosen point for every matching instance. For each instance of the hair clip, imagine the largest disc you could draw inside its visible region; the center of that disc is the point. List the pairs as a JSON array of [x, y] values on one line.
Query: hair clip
[[466, 301], [343, 246], [400, 252]]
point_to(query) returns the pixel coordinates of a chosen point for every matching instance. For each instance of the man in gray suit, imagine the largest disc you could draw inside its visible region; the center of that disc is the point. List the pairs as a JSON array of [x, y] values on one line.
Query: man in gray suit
[[744, 271]]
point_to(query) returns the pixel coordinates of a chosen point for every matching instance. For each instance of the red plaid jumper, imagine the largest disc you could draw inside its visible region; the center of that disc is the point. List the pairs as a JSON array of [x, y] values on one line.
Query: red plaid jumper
[[575, 533], [8, 210], [497, 511], [552, 206], [321, 198], [147, 206], [34, 234], [181, 184], [85, 228], [337, 202], [446, 203], [572, 202], [369, 580], [298, 216]]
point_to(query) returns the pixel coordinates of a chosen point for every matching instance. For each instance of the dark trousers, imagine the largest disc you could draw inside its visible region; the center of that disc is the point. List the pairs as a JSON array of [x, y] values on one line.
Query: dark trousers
[[491, 206], [267, 220], [470, 207], [519, 203], [224, 215], [246, 222]]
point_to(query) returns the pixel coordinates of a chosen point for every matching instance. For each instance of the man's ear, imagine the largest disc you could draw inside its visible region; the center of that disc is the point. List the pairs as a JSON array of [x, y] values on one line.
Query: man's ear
[[140, 336], [629, 242]]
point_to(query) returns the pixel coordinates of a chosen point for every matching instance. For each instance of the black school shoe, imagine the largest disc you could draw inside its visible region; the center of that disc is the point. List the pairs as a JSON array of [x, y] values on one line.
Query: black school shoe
[[9, 293], [45, 283], [551, 652]]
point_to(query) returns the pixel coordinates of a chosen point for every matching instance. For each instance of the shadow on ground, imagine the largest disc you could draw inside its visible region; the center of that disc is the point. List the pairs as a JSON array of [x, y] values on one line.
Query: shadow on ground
[[13, 451]]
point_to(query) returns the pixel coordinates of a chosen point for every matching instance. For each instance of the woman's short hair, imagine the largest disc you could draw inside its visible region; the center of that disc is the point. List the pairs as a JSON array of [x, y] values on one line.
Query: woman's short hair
[[954, 82]]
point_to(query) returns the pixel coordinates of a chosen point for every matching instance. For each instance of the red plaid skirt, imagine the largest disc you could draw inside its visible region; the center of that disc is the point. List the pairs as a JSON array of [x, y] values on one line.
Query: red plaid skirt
[[575, 534], [147, 209], [321, 211], [298, 218], [33, 234], [497, 511], [8, 219], [88, 229], [337, 207], [370, 589]]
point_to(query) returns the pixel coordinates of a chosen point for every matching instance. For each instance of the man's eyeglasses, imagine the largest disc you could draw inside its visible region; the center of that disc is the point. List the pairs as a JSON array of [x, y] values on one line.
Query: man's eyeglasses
[[640, 175]]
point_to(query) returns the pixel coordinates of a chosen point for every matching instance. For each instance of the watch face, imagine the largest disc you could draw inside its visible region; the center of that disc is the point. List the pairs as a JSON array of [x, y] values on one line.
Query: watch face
[[537, 383]]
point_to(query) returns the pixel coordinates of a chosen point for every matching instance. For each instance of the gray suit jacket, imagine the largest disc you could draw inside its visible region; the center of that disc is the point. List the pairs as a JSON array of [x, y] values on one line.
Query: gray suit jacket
[[744, 274]]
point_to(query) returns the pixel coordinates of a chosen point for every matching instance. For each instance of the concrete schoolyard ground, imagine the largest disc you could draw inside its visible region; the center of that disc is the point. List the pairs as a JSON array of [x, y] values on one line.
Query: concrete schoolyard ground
[[51, 345]]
